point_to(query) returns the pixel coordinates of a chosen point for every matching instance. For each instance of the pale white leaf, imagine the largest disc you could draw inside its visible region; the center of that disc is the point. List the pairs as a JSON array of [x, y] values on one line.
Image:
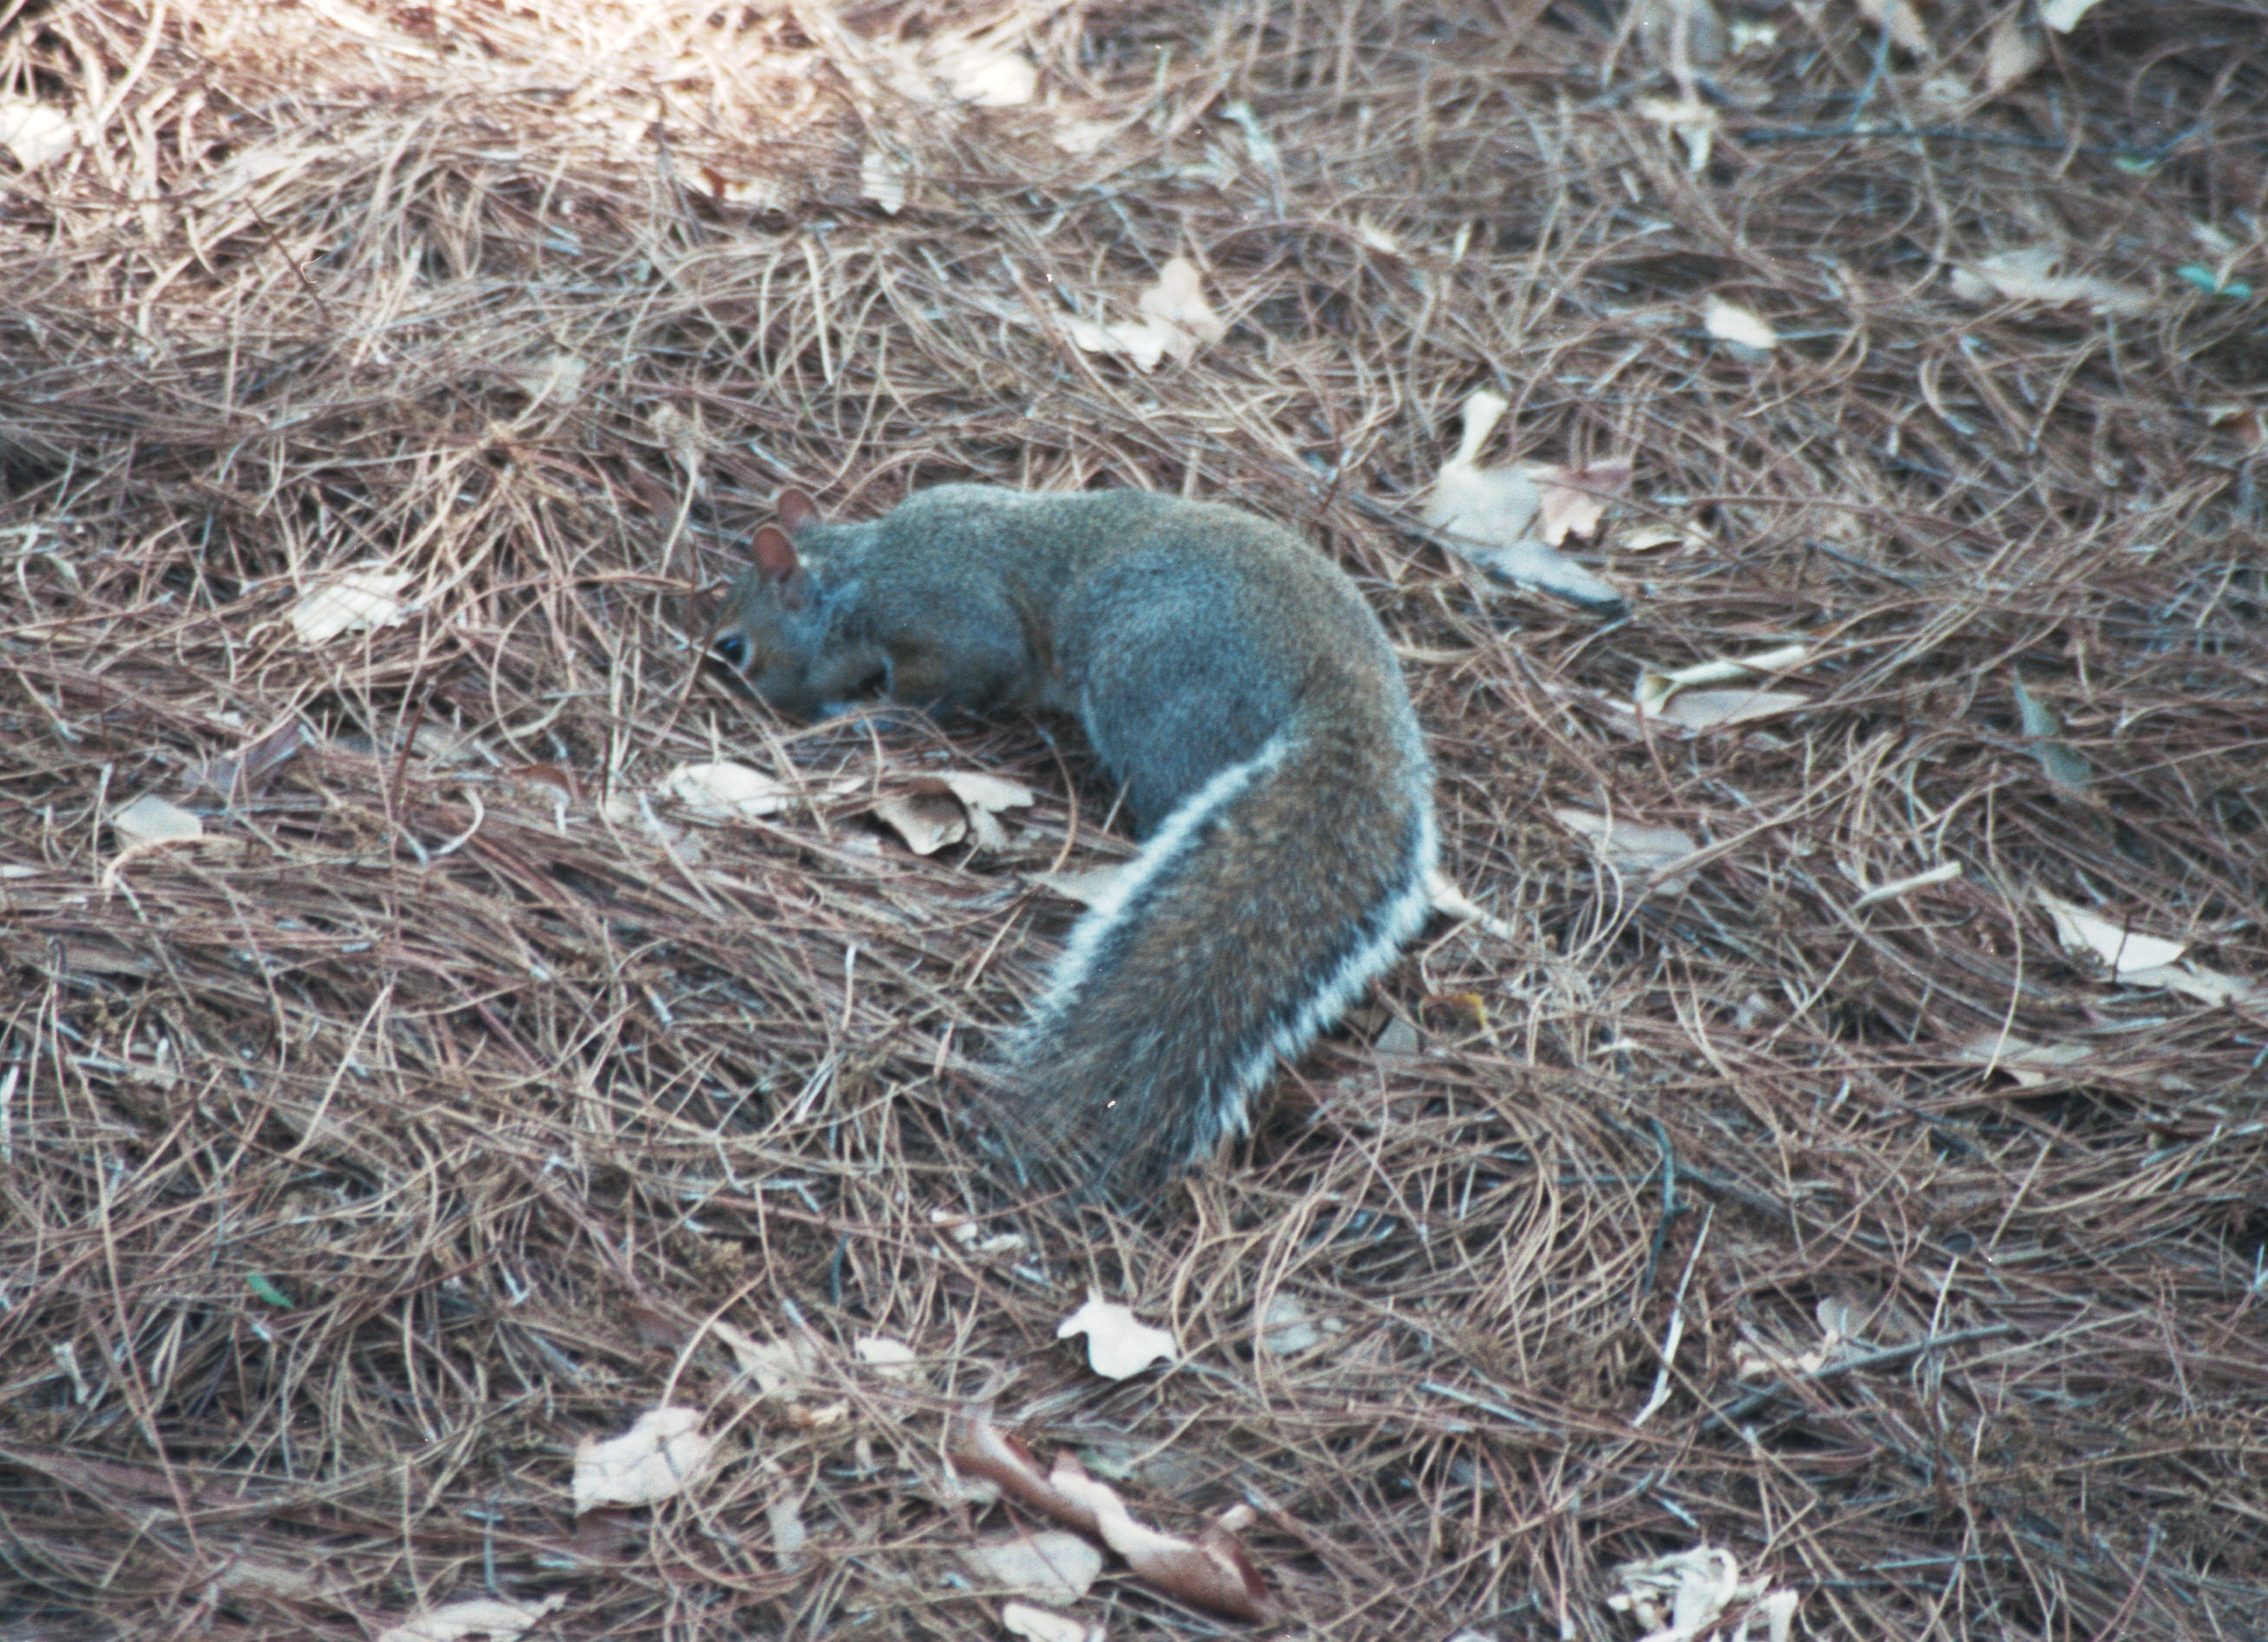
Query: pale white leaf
[[348, 603], [892, 1359], [1082, 137], [726, 791], [927, 821], [1089, 887], [1286, 1327], [2011, 51], [2062, 15], [1040, 1625], [789, 1534], [2030, 1064], [984, 796], [1713, 710], [1177, 302], [2029, 275], [1143, 344], [882, 179], [780, 1367], [151, 818], [1575, 498], [558, 376], [662, 1452], [34, 132], [2122, 949], [1630, 847], [1900, 21], [1054, 1566], [1694, 122], [2207, 986], [1677, 1595], [987, 75], [1943, 872], [492, 1617], [1118, 1344], [1493, 505], [1729, 322]]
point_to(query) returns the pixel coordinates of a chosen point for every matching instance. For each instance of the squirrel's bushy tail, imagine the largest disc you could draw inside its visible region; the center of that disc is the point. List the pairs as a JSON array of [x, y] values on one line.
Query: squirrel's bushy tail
[[1261, 906]]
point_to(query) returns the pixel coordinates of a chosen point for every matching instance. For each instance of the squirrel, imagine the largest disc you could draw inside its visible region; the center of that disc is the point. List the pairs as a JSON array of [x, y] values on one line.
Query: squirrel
[[1237, 684]]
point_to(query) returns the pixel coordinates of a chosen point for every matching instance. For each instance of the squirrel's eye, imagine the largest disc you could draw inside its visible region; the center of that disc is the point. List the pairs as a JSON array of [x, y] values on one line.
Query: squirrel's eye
[[733, 649]]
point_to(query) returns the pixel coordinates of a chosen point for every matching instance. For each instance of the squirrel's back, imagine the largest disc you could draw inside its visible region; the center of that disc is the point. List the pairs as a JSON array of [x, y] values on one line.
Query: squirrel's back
[[1239, 684]]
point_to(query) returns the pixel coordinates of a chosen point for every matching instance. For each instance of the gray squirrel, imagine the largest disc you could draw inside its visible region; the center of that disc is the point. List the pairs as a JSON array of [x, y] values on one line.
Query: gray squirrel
[[1235, 681]]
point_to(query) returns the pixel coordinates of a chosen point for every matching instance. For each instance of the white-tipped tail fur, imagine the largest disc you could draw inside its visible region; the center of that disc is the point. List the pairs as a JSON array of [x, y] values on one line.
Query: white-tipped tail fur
[[1258, 911]]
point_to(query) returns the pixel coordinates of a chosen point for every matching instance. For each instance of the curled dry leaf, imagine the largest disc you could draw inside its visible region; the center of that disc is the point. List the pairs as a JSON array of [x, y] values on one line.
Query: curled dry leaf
[[2065, 767], [1696, 710], [661, 1453], [1575, 498], [358, 599], [1943, 872], [1694, 122], [780, 1367], [980, 1448], [1213, 1572], [1176, 321], [492, 1617], [969, 1233], [1495, 516], [1118, 1344], [928, 822], [1672, 697], [1177, 302], [941, 810], [1630, 847], [1053, 1566], [1680, 1596]]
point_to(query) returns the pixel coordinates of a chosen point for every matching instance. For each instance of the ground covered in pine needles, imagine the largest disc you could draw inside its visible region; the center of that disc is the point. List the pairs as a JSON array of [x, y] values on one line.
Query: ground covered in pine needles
[[1840, 1146]]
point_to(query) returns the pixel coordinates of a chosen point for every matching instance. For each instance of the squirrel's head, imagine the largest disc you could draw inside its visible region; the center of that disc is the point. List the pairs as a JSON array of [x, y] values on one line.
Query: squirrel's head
[[763, 632]]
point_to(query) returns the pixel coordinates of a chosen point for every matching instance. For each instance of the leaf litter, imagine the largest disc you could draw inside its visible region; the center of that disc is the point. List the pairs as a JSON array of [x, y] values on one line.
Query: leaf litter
[[354, 1150]]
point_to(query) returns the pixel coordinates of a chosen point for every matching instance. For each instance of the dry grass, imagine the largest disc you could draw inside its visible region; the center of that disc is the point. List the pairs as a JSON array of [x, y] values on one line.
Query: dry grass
[[361, 1159]]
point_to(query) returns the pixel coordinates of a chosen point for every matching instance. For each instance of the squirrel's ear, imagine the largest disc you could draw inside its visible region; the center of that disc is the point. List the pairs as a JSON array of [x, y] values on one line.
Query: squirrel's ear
[[775, 557], [797, 509]]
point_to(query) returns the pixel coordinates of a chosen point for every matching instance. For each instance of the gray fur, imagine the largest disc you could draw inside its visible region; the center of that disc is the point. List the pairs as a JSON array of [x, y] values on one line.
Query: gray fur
[[1234, 679]]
